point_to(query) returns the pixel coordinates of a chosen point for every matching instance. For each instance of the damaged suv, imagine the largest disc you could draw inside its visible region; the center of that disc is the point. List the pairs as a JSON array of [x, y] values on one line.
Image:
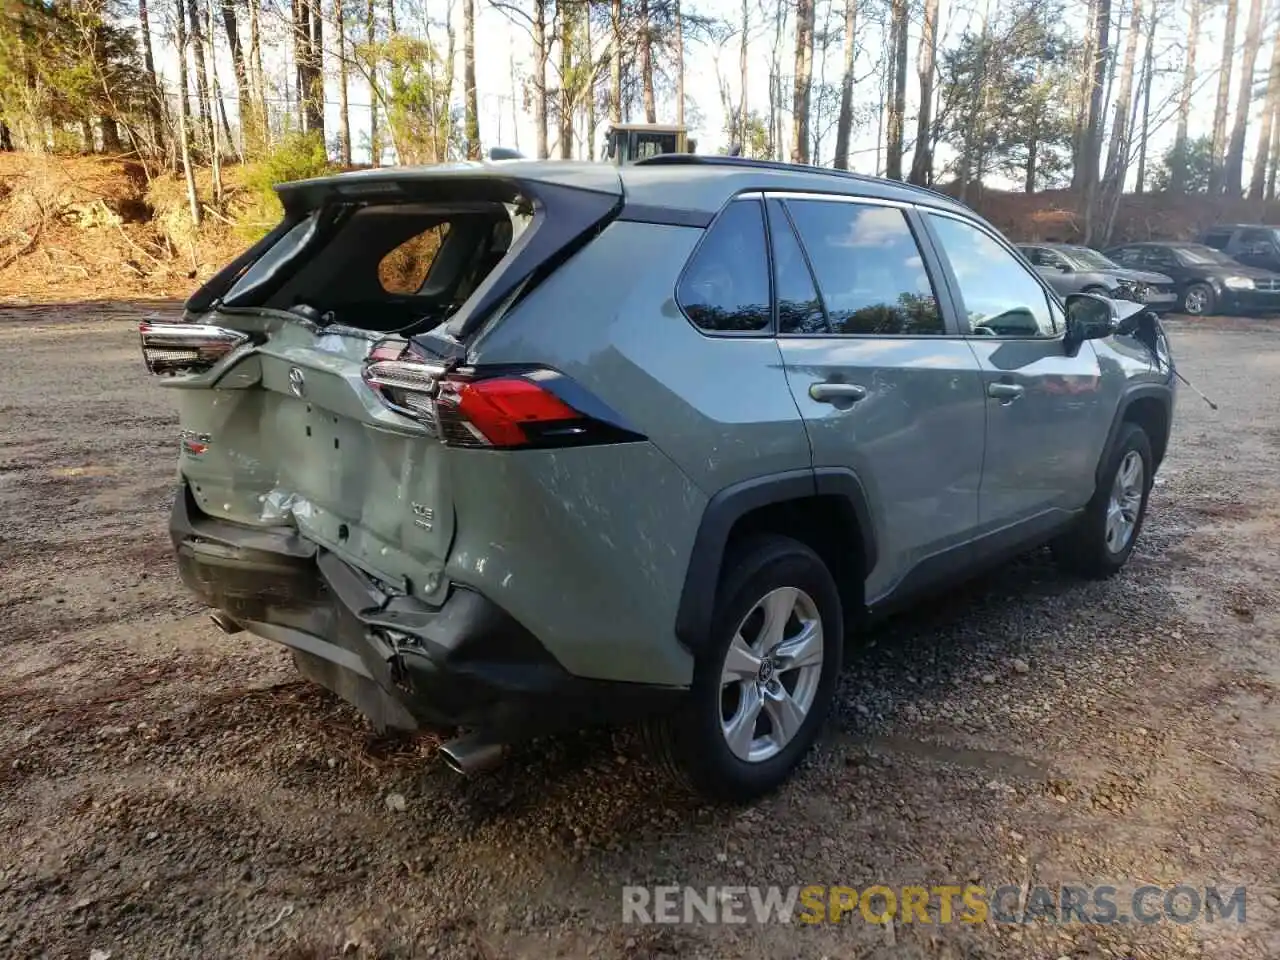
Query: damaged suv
[[508, 448]]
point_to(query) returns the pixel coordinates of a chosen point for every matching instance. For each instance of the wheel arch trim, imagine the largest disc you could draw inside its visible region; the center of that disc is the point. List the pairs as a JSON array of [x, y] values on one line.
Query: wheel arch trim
[[729, 505]]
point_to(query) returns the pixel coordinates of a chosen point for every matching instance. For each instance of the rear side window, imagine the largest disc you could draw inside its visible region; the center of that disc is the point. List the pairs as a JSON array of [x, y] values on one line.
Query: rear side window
[[725, 288], [870, 272], [1218, 239]]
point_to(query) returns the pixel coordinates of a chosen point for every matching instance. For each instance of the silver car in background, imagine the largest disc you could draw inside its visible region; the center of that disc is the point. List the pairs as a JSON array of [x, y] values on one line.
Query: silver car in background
[[1073, 269]]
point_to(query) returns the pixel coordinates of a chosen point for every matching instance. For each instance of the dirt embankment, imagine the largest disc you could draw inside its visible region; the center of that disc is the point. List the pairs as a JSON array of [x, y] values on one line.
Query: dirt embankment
[[92, 228]]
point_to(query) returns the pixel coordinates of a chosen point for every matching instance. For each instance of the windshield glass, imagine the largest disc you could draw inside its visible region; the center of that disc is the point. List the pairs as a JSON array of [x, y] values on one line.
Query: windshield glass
[[1203, 255], [1089, 259]]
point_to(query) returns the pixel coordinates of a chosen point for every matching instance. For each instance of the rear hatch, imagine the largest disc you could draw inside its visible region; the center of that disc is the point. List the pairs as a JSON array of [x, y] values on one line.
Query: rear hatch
[[308, 372]]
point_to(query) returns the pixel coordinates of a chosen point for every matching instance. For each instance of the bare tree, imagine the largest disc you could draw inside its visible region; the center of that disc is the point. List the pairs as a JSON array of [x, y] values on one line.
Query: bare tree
[[202, 77], [149, 67], [1092, 154], [679, 39], [1224, 94], [803, 81], [1178, 178], [344, 105], [370, 31], [471, 105], [844, 123], [644, 26], [615, 61], [1258, 182], [922, 160], [1148, 76], [184, 140], [1117, 149], [1233, 171], [897, 90]]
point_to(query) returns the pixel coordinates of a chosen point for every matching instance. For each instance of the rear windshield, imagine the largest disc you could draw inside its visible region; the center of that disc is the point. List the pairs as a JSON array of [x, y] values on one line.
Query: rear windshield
[[401, 268]]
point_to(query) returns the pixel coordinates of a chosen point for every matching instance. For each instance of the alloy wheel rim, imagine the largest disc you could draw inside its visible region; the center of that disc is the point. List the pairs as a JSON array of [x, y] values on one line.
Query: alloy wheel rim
[[1195, 301], [1125, 502], [770, 676]]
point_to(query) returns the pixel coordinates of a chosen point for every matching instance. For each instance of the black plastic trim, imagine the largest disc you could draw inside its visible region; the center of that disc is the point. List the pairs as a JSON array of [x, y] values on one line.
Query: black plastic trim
[[698, 597], [1160, 392], [668, 216]]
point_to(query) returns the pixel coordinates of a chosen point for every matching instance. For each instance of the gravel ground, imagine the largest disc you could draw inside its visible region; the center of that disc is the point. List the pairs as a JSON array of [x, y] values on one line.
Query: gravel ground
[[168, 791]]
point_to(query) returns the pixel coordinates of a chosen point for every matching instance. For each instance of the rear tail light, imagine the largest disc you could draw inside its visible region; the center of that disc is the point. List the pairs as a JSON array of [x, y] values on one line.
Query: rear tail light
[[185, 348], [505, 411]]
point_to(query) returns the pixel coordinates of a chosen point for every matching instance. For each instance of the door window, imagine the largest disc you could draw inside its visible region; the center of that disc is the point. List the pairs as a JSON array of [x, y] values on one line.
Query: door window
[[1001, 297], [799, 307], [725, 288], [870, 273], [1218, 239]]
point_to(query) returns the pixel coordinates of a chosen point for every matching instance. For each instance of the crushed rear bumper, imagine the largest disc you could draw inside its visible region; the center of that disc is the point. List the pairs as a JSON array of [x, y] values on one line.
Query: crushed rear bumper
[[404, 664]]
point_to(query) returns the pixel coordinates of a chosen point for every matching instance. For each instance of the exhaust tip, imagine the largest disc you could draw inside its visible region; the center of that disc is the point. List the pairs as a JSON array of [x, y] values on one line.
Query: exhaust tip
[[472, 754], [224, 622]]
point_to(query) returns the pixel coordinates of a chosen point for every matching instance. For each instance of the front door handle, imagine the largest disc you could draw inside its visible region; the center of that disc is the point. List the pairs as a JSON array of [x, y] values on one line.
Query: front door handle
[[830, 392], [1004, 392]]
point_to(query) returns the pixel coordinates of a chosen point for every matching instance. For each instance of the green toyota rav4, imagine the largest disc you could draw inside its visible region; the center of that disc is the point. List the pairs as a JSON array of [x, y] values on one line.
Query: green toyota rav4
[[510, 447]]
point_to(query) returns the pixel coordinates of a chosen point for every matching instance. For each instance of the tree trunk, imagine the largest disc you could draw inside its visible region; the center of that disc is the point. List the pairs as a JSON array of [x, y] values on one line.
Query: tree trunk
[[646, 63], [315, 95], [1080, 128], [1148, 75], [803, 81], [1216, 171], [149, 68], [202, 76], [922, 160], [248, 121], [257, 78], [1233, 172], [678, 27], [1275, 155], [515, 116], [898, 92], [591, 88], [615, 61], [566, 13], [742, 133], [184, 140], [1118, 148], [344, 104], [844, 123], [370, 33], [6, 138], [1258, 182], [471, 103], [1178, 178], [217, 103], [540, 76], [1093, 131]]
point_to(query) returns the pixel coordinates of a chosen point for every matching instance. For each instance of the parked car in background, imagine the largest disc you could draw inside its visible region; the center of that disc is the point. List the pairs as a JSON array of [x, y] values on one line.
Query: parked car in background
[[1073, 269], [1254, 245], [1207, 279]]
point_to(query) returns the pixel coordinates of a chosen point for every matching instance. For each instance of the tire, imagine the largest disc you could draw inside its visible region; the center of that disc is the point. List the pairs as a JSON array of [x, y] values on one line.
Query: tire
[[1097, 546], [692, 744], [1199, 300]]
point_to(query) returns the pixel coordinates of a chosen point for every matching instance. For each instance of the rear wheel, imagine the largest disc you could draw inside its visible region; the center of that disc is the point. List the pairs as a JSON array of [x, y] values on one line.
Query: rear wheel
[[1100, 542], [1198, 300], [765, 683]]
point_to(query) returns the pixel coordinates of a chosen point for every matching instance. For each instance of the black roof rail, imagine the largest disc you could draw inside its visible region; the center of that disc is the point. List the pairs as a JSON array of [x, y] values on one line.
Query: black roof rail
[[712, 160]]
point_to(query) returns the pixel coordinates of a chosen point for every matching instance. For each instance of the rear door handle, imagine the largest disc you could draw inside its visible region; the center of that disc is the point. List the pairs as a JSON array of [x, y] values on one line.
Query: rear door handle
[[1004, 392], [830, 392]]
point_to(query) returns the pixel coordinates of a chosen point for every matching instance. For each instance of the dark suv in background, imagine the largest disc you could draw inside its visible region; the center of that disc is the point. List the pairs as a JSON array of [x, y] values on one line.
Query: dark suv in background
[[1251, 244], [1207, 280]]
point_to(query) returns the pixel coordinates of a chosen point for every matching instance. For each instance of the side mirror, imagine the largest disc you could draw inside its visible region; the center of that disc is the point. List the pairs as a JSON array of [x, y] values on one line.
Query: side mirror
[[1089, 317]]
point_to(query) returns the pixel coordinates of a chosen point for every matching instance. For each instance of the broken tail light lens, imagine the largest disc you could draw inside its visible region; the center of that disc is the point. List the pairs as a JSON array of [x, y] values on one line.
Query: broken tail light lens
[[504, 411], [171, 349]]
